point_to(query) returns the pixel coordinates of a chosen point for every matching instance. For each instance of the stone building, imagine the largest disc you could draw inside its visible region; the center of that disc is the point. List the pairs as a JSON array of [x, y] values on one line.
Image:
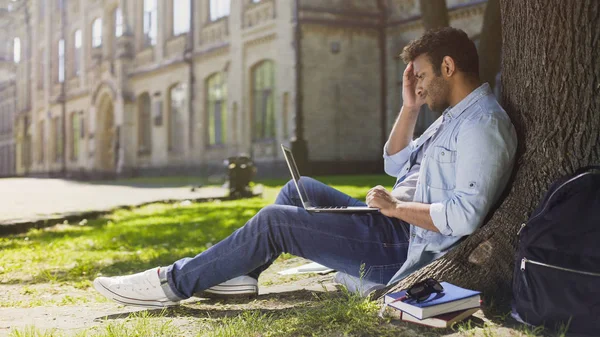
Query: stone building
[[10, 56], [125, 87]]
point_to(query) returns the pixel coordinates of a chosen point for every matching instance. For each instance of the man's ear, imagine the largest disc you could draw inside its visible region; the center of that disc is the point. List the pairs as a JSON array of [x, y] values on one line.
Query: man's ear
[[448, 66]]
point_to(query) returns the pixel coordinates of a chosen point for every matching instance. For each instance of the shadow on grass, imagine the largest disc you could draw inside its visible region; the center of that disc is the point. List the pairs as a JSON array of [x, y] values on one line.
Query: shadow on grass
[[297, 298]]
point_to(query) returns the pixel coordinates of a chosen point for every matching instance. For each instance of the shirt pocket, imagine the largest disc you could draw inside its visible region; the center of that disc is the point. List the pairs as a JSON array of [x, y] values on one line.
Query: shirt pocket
[[441, 168]]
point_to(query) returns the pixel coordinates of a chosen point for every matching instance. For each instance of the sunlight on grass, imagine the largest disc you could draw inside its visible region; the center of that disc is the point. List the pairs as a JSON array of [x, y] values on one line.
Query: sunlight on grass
[[129, 241]]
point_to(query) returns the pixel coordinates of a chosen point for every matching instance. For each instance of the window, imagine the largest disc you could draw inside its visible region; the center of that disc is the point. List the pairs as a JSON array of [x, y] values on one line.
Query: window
[[74, 135], [58, 140], [177, 95], [40, 141], [81, 125], [17, 50], [144, 124], [217, 109], [97, 33], [181, 17], [263, 107], [41, 70], [77, 55], [150, 22], [219, 9], [118, 22], [61, 61]]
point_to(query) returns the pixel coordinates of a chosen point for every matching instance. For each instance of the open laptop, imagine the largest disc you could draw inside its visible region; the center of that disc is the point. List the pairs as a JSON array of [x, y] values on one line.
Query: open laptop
[[289, 158]]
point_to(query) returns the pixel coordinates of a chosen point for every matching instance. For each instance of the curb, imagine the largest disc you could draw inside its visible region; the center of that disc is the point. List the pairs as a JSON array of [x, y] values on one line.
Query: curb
[[18, 226]]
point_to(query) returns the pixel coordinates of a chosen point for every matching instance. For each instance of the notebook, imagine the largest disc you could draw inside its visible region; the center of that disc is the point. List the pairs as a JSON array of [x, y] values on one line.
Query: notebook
[[453, 298]]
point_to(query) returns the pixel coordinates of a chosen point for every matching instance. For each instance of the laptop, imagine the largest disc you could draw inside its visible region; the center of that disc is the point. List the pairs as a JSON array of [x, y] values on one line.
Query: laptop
[[291, 163]]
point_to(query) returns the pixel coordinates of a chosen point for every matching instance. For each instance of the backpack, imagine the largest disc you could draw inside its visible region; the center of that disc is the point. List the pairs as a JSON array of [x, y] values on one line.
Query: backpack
[[556, 281]]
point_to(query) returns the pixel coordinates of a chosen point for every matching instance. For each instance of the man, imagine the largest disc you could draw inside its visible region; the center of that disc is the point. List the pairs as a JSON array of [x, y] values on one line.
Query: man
[[447, 180]]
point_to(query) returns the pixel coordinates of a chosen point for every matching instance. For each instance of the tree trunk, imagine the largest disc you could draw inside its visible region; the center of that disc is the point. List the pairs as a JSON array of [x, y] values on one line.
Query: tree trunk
[[551, 85], [490, 43], [434, 14]]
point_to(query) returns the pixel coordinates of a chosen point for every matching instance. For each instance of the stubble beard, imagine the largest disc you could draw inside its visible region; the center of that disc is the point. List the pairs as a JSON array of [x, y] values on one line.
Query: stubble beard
[[438, 92]]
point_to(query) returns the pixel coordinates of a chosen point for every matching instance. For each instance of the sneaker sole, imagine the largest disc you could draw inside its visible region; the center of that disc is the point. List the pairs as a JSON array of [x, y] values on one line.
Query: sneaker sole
[[131, 301], [223, 291]]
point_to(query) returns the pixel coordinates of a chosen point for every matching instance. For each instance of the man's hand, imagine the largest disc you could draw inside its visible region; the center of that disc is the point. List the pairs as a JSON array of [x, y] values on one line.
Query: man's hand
[[412, 100], [379, 197]]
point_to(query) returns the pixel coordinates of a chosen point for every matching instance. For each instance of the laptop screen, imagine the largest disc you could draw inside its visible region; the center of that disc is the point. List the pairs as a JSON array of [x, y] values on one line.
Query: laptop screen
[[289, 158]]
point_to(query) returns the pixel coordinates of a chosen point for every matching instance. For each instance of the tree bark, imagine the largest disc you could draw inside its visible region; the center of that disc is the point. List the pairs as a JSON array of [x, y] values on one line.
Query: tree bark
[[551, 85], [434, 14], [490, 43]]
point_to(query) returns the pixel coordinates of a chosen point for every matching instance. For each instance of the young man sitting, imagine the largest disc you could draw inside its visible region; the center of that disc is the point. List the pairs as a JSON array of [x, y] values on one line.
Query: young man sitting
[[447, 180]]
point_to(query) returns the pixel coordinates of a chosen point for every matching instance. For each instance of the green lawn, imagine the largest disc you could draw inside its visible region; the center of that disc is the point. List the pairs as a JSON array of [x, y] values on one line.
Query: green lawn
[[128, 241]]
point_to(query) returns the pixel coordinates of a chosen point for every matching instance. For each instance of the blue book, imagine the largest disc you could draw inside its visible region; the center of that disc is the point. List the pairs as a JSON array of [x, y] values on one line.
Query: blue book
[[453, 298]]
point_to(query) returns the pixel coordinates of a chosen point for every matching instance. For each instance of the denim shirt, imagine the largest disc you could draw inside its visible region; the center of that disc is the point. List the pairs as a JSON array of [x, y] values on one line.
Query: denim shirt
[[464, 169]]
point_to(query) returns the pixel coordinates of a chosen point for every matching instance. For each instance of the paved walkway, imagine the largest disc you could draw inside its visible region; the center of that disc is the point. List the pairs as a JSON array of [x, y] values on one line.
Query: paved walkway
[[31, 199]]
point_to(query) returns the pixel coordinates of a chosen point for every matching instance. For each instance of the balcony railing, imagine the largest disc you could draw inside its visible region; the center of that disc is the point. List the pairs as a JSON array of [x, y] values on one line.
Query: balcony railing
[[73, 84], [176, 45], [259, 13], [215, 32]]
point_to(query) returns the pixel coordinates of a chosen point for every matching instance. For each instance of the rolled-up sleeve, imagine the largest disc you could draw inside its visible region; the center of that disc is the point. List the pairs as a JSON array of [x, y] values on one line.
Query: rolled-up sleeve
[[394, 163], [485, 150]]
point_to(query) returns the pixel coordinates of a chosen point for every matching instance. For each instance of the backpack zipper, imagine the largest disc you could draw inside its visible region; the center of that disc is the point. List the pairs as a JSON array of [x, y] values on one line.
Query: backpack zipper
[[520, 229], [556, 190], [525, 261], [550, 198]]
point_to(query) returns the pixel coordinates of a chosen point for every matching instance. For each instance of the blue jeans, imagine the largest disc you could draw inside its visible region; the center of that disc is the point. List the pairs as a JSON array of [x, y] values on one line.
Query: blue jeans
[[342, 242]]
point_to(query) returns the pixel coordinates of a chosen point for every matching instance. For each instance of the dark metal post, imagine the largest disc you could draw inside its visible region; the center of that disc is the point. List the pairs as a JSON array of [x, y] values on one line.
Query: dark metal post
[[298, 143]]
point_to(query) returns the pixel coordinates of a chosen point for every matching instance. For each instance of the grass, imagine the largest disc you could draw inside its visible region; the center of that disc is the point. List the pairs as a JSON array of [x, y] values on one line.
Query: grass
[[132, 240], [63, 259]]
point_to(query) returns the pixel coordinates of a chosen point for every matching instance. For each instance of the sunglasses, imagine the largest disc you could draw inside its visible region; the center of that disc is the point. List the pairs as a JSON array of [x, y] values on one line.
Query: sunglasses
[[420, 291]]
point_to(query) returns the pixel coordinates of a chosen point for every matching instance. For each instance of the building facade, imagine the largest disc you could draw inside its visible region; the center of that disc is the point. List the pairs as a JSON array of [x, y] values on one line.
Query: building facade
[[125, 87], [10, 54]]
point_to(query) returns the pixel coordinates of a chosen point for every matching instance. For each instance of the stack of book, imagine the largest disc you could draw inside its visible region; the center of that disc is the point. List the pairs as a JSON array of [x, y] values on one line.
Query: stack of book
[[441, 310]]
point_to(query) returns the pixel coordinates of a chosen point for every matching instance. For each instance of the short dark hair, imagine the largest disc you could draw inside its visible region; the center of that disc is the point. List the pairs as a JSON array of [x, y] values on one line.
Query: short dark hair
[[441, 42]]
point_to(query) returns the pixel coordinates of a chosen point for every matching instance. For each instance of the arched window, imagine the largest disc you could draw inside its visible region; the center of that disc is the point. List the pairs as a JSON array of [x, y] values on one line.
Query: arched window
[[75, 133], [77, 42], [219, 9], [61, 61], [181, 16], [17, 50], [144, 124], [97, 33], [263, 100], [216, 109], [41, 141], [150, 22], [118, 22], [177, 97]]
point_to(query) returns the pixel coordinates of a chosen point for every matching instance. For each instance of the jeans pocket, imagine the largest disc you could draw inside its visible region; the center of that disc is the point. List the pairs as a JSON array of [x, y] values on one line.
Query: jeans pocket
[[382, 273]]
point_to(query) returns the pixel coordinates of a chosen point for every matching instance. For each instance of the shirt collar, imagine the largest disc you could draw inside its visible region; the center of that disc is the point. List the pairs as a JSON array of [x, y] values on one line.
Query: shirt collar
[[466, 102]]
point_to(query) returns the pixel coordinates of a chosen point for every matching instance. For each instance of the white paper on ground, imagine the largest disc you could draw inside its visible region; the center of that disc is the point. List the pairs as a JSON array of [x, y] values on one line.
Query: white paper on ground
[[312, 267], [357, 285]]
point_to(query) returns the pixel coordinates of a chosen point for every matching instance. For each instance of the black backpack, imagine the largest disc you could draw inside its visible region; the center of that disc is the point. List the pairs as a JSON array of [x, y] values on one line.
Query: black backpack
[[556, 281]]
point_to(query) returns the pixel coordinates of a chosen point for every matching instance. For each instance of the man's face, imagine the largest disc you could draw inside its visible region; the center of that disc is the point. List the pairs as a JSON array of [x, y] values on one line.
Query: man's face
[[433, 89]]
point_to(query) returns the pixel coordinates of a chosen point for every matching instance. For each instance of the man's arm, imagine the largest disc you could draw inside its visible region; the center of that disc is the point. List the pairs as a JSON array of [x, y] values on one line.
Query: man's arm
[[404, 127], [486, 149], [412, 212]]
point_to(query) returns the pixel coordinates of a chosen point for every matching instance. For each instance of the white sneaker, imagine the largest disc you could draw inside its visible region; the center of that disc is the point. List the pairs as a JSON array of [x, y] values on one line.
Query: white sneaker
[[141, 289], [241, 286]]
